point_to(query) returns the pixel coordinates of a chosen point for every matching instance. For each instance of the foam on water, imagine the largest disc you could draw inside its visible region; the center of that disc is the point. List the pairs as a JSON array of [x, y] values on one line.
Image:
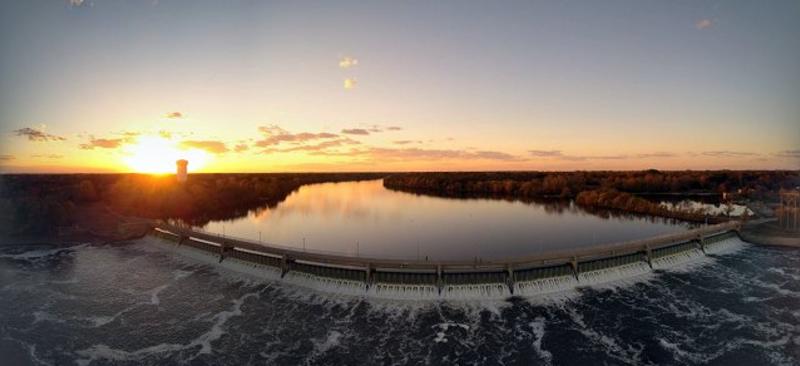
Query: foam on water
[[476, 291], [545, 285], [726, 246], [208, 315], [614, 273], [321, 283], [677, 259], [403, 291]]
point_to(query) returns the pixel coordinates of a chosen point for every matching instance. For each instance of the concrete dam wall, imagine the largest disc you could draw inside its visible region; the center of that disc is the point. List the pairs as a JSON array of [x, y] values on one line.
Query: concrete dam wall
[[414, 280]]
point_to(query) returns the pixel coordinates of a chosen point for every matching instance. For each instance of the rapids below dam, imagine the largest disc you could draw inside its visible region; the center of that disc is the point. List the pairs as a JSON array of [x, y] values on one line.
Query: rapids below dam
[[138, 304]]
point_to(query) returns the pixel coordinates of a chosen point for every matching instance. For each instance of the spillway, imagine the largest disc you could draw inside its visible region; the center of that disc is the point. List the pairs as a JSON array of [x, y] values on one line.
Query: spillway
[[404, 280]]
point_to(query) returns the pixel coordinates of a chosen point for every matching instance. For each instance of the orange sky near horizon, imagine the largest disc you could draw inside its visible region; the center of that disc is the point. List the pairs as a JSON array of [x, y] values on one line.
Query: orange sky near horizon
[[273, 87]]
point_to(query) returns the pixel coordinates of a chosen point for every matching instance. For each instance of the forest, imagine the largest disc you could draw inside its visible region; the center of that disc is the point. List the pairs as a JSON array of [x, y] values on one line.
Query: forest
[[619, 190], [40, 204]]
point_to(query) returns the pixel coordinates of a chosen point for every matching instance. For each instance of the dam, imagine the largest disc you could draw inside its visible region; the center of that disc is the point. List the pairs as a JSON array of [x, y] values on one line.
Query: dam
[[452, 279]]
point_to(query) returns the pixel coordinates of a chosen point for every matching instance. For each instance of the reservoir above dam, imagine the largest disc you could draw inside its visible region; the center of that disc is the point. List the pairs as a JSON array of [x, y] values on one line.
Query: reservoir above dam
[[365, 219]]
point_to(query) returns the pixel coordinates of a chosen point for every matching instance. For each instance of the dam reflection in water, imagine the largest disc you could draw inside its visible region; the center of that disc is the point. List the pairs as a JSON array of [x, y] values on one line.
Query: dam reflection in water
[[366, 219]]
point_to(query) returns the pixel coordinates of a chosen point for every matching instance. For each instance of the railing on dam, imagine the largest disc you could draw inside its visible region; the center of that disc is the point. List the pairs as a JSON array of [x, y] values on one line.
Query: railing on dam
[[441, 274]]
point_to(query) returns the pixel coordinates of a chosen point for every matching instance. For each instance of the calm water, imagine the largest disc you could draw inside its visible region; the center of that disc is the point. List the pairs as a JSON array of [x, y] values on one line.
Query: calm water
[[137, 304], [367, 219]]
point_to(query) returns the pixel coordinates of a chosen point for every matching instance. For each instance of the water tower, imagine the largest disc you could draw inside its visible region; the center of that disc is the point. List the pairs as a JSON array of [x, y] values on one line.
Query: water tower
[[181, 174]]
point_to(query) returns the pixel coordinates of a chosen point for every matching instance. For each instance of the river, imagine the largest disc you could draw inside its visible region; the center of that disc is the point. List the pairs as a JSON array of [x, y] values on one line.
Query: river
[[366, 219], [136, 304]]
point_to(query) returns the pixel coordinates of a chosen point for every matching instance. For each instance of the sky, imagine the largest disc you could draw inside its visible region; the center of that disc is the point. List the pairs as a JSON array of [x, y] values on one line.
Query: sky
[[263, 86]]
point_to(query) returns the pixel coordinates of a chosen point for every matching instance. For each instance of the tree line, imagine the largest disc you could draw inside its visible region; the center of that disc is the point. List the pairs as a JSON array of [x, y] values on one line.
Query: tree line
[[608, 189], [39, 204]]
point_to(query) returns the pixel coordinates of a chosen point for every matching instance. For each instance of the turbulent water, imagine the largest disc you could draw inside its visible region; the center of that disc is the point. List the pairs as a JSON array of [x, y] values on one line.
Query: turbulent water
[[138, 304]]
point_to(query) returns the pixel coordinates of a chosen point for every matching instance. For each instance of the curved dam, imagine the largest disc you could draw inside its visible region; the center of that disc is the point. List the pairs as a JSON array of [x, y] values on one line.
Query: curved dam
[[432, 280]]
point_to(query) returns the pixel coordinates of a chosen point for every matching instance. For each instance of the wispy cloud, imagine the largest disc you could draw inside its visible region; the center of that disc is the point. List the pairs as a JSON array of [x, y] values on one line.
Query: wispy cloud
[[110, 143], [274, 135], [39, 135], [76, 3], [241, 148], [322, 146], [356, 131], [406, 142], [558, 154], [7, 157], [48, 156], [347, 62], [214, 147], [394, 128], [704, 24], [350, 83], [728, 154], [417, 154], [103, 143], [545, 153], [659, 154], [788, 154], [174, 115]]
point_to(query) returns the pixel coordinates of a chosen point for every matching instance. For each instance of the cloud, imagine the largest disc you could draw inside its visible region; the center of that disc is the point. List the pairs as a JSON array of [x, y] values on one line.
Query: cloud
[[406, 142], [7, 157], [174, 115], [495, 155], [357, 131], [76, 3], [241, 148], [275, 135], [788, 154], [109, 143], [558, 154], [347, 62], [545, 153], [393, 128], [214, 147], [322, 146], [703, 24], [382, 154], [103, 143], [350, 83], [49, 156], [656, 155], [728, 154], [165, 134], [38, 135]]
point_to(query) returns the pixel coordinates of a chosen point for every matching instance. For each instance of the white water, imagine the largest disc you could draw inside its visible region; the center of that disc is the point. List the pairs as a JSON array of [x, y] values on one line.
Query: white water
[[677, 259], [727, 246], [476, 291], [614, 273], [545, 286], [403, 292], [491, 291]]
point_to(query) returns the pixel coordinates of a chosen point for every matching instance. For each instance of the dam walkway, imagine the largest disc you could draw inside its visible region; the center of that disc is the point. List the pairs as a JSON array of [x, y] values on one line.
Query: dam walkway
[[418, 279]]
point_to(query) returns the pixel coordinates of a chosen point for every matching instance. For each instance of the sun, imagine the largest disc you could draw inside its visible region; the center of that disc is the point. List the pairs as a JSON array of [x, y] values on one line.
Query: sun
[[156, 155]]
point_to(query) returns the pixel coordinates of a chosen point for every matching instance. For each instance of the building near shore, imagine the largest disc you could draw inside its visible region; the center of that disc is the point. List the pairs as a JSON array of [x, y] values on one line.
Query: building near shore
[[182, 170], [789, 211]]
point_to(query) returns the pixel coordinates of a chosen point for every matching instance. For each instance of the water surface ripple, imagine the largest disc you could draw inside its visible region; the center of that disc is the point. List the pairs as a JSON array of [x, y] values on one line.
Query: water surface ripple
[[137, 304]]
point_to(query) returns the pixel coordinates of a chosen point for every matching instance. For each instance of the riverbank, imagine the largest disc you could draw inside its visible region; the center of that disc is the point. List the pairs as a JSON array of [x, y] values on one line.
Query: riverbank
[[92, 223]]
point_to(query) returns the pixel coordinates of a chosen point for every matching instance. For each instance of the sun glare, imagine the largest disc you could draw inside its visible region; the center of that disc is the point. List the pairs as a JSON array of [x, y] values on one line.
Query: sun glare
[[156, 155]]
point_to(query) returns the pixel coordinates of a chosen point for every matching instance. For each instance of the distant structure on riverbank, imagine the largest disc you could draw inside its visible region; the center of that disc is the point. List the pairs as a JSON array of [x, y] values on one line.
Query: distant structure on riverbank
[[789, 212], [182, 174]]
